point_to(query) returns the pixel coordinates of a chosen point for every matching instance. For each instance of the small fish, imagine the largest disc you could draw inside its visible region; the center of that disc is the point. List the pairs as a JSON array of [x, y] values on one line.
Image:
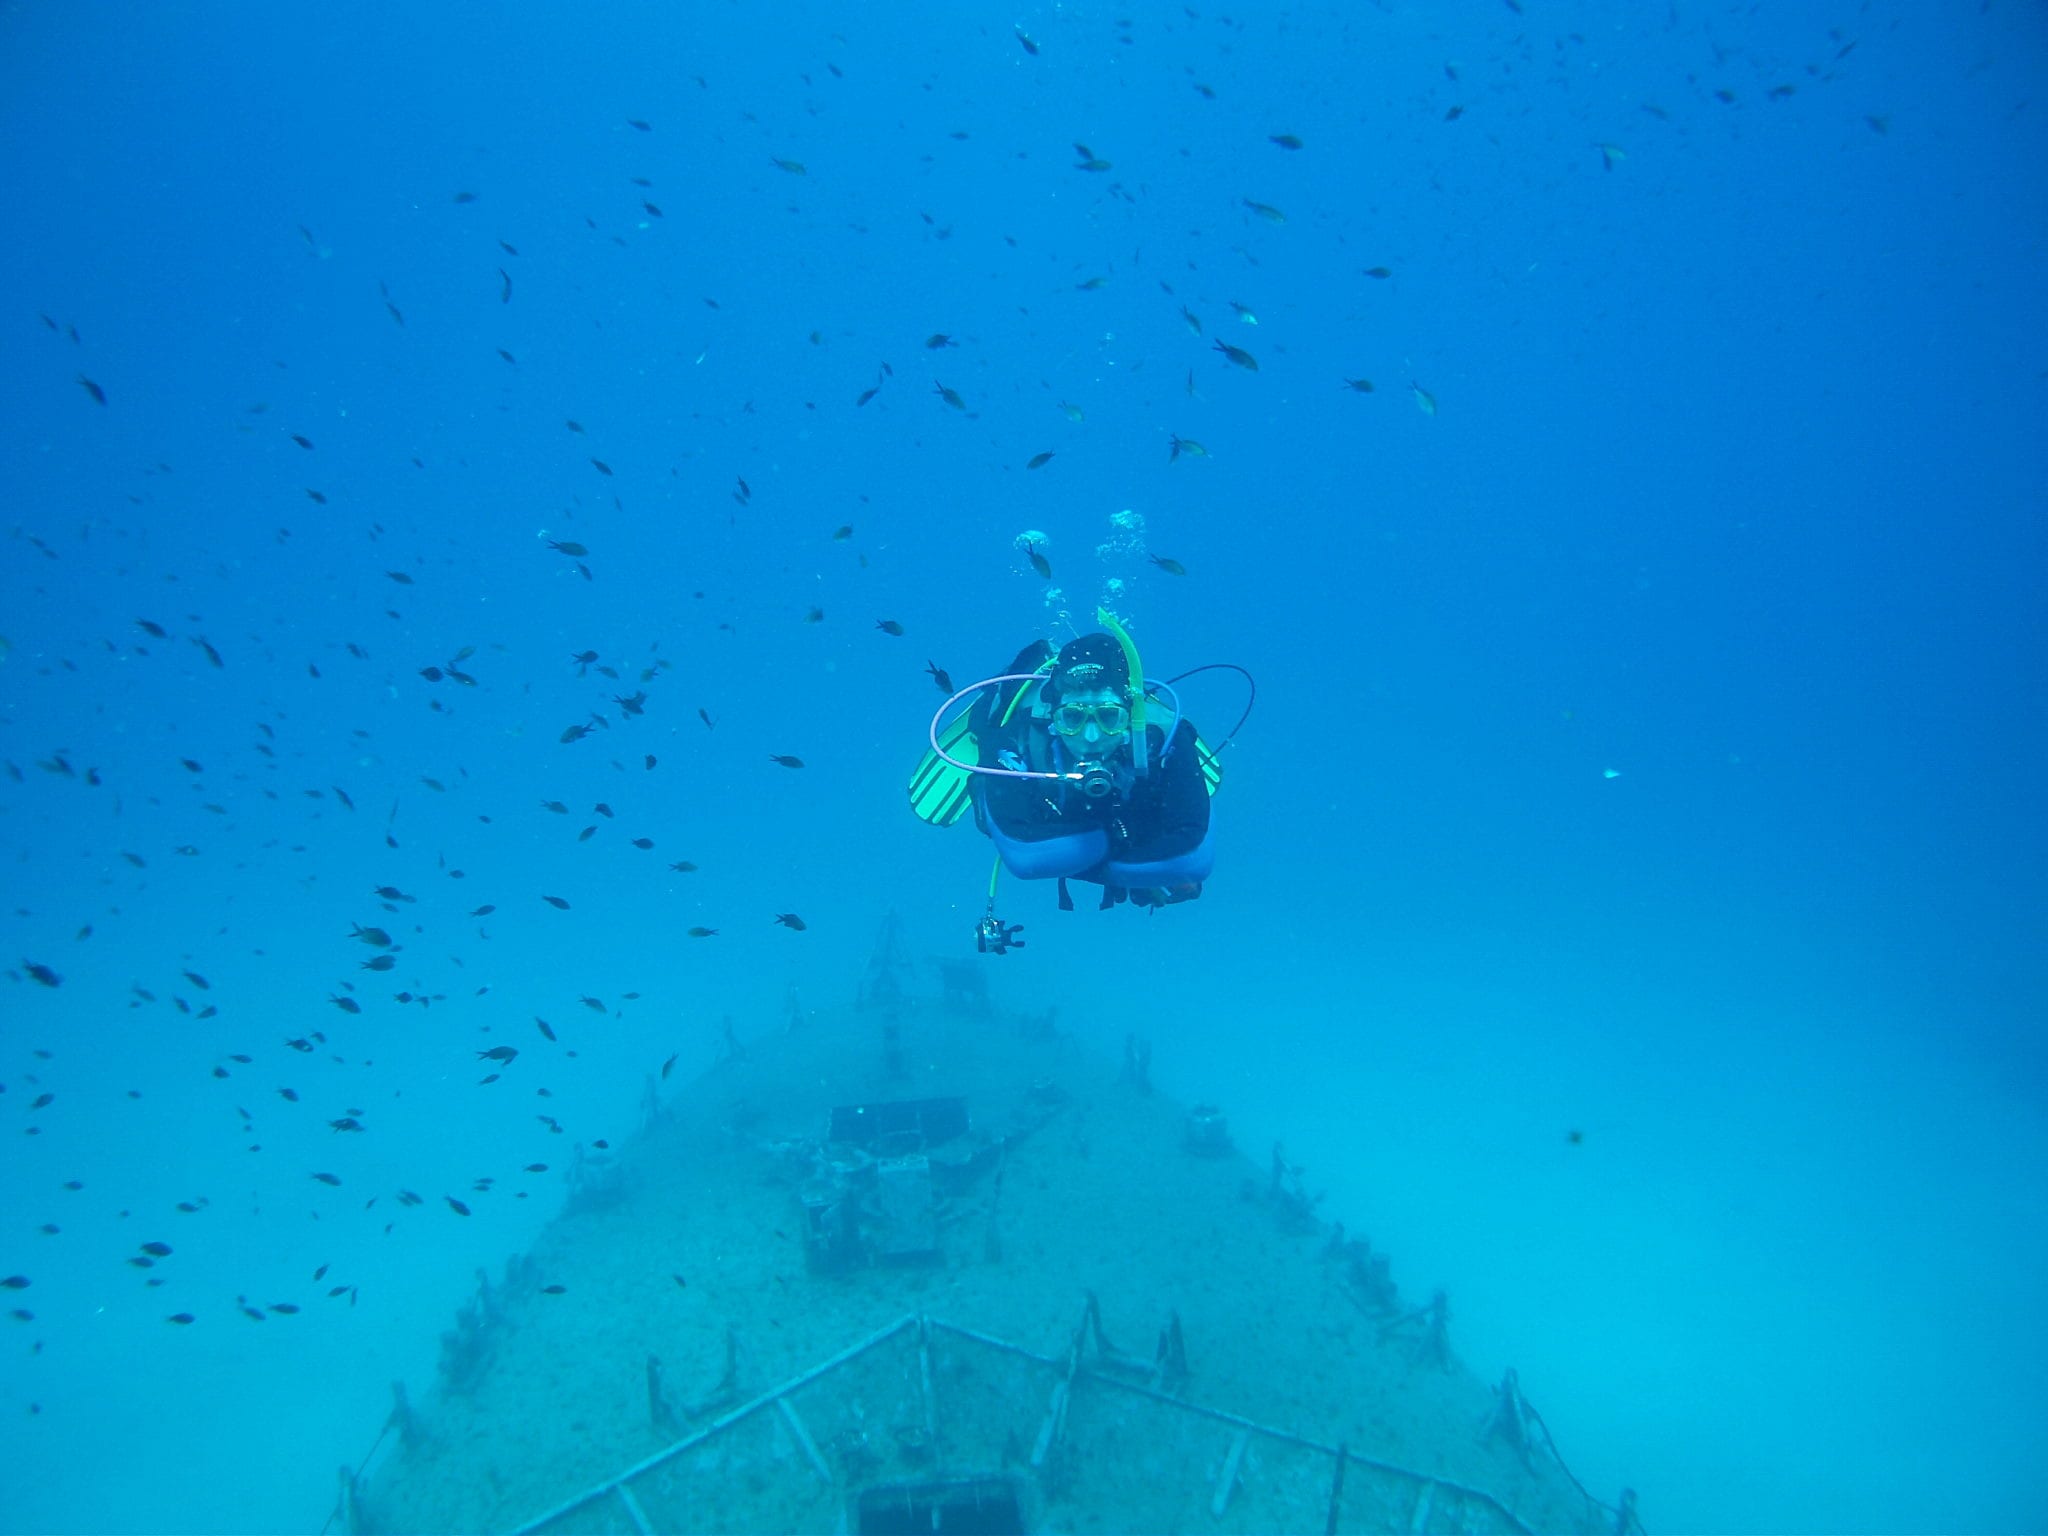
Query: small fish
[[328, 1179], [1239, 356], [1244, 313], [784, 760], [1266, 211], [668, 1066], [643, 843], [1284, 140], [842, 533], [601, 467], [791, 167], [456, 1205], [791, 921], [703, 933], [501, 1053], [1023, 41], [1071, 411], [705, 716], [346, 1004], [950, 396], [1611, 155], [1424, 400], [553, 1290], [889, 626], [1382, 273], [378, 963], [1191, 320], [1039, 460], [547, 1030], [485, 910], [1039, 563], [99, 395], [560, 904], [1359, 386], [42, 974], [683, 867], [1171, 567], [157, 1250], [376, 938], [938, 675], [182, 1319], [304, 442], [1184, 445], [573, 550], [153, 630]]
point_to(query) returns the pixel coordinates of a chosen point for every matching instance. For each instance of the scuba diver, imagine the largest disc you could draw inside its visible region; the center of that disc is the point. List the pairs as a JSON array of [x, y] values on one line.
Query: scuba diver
[[1072, 779]]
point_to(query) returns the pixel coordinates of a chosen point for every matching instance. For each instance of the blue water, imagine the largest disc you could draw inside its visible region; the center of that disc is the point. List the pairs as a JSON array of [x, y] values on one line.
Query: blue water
[[1648, 742]]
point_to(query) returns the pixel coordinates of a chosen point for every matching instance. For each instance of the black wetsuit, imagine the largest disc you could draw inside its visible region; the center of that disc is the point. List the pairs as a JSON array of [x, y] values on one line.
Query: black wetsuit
[[1162, 815]]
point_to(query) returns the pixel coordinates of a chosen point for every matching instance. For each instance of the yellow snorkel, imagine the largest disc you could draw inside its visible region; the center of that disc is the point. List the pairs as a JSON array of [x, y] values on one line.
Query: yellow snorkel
[[1122, 637]]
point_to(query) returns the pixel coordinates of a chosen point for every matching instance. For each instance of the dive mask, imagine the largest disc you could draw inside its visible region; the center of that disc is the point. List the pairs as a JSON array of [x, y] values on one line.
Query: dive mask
[[1109, 719]]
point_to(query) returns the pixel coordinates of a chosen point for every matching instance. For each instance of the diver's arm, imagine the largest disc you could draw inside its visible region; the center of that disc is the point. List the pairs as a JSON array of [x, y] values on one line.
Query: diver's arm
[[1026, 808], [1176, 816]]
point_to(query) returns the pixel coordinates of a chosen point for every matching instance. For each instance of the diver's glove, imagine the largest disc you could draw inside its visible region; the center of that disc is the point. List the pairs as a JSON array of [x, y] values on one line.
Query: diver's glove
[[1166, 896]]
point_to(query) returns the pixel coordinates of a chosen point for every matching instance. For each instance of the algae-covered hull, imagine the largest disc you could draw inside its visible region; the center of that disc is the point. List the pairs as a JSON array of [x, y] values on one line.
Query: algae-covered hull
[[924, 1267]]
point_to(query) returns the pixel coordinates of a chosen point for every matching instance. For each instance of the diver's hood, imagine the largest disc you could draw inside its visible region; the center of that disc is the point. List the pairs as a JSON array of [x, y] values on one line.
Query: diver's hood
[[1088, 662]]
